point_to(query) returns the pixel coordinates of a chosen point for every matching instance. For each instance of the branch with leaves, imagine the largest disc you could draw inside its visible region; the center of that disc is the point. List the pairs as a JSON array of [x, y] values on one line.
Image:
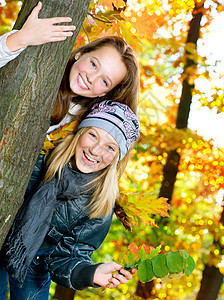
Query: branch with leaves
[[152, 264]]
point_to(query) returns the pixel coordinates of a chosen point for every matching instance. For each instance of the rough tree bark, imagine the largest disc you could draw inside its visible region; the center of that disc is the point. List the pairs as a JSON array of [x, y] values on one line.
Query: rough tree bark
[[171, 168], [28, 89]]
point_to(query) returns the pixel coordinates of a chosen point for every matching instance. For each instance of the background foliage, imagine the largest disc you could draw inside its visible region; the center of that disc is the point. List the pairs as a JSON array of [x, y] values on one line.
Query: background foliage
[[157, 30]]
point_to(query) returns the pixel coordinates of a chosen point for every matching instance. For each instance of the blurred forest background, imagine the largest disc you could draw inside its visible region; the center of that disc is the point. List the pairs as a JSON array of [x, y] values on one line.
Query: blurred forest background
[[182, 80]]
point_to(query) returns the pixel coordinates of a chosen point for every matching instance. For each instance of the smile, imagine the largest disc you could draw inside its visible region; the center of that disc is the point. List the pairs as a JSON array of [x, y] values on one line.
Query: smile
[[88, 160], [81, 83]]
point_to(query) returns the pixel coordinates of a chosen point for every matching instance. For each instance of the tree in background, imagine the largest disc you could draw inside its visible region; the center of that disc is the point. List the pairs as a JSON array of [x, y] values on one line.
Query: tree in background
[[158, 31]]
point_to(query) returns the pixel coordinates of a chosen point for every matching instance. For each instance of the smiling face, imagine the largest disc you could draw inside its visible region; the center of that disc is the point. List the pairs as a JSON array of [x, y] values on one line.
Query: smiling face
[[95, 150], [97, 72]]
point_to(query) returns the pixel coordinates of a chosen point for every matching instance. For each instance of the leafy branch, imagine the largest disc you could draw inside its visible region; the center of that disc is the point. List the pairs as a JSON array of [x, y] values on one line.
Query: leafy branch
[[151, 265]]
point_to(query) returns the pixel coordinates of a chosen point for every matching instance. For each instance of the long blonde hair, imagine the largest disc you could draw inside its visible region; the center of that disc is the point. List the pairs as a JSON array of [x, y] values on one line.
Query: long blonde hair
[[106, 184]]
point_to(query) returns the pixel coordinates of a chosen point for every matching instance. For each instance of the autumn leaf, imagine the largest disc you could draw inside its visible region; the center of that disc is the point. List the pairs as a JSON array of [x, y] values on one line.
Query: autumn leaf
[[147, 248], [59, 133], [132, 39], [140, 206], [134, 249], [150, 205], [90, 20], [79, 41]]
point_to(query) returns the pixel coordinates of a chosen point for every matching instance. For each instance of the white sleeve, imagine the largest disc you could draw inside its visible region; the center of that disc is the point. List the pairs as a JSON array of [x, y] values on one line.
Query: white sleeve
[[5, 54], [73, 111]]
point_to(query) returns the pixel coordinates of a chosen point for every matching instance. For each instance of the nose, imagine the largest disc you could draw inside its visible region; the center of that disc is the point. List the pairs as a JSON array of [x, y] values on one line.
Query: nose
[[96, 149], [91, 77]]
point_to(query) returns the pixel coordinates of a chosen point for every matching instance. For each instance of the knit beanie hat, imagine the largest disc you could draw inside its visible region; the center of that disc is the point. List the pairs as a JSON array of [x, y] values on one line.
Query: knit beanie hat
[[117, 119]]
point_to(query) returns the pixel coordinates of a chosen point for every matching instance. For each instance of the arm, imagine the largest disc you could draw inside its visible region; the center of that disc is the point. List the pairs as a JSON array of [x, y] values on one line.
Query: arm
[[35, 31], [5, 54], [70, 263]]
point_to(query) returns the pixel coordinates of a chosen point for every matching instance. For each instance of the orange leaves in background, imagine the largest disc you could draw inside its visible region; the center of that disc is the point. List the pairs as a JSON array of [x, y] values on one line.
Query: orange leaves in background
[[141, 22], [8, 15], [110, 4], [139, 207], [116, 17]]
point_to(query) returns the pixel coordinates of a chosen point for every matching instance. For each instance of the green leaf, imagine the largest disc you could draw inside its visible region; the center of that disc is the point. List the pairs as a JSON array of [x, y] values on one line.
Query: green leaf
[[131, 258], [145, 272], [184, 254], [159, 266], [189, 263], [153, 253], [189, 266], [175, 262], [142, 255]]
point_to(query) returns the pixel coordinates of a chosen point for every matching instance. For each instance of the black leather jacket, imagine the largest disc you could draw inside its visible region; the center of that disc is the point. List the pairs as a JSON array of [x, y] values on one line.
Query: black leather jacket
[[74, 235]]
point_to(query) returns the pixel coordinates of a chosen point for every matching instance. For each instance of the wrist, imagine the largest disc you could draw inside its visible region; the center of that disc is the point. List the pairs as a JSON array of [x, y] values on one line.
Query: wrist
[[82, 276], [15, 42]]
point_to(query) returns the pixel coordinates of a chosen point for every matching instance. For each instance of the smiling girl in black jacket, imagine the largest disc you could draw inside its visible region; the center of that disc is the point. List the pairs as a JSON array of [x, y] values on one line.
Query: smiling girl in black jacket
[[69, 215]]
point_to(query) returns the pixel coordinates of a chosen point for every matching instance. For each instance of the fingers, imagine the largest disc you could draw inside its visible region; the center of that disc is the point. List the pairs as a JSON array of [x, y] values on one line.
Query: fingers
[[120, 278], [60, 20], [113, 283], [126, 273], [58, 39], [116, 280], [59, 36], [64, 28], [35, 12]]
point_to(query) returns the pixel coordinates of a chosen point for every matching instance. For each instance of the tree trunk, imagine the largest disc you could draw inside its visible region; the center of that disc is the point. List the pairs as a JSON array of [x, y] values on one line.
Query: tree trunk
[[169, 175], [29, 85], [212, 279], [171, 168], [210, 284], [63, 293], [144, 289]]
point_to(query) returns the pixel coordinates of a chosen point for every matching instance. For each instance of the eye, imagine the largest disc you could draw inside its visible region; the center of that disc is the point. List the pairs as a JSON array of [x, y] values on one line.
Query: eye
[[105, 82], [110, 148], [92, 135], [93, 64]]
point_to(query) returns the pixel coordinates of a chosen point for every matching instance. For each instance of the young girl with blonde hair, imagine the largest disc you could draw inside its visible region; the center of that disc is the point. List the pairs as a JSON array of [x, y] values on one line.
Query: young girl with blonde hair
[[69, 215]]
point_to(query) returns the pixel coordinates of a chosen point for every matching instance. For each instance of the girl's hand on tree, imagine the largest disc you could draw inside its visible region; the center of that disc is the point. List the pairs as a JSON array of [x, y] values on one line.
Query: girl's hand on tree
[[105, 276], [37, 31]]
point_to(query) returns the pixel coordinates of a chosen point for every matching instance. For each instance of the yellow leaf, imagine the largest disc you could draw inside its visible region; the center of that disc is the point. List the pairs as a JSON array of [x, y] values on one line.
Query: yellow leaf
[[139, 207], [57, 134]]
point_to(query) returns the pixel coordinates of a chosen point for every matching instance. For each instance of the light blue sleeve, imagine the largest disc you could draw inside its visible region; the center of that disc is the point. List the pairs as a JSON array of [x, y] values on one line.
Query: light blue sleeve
[[5, 54]]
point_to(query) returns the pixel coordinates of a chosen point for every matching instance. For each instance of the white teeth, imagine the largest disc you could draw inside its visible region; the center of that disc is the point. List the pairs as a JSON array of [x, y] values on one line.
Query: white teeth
[[92, 160], [82, 83]]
